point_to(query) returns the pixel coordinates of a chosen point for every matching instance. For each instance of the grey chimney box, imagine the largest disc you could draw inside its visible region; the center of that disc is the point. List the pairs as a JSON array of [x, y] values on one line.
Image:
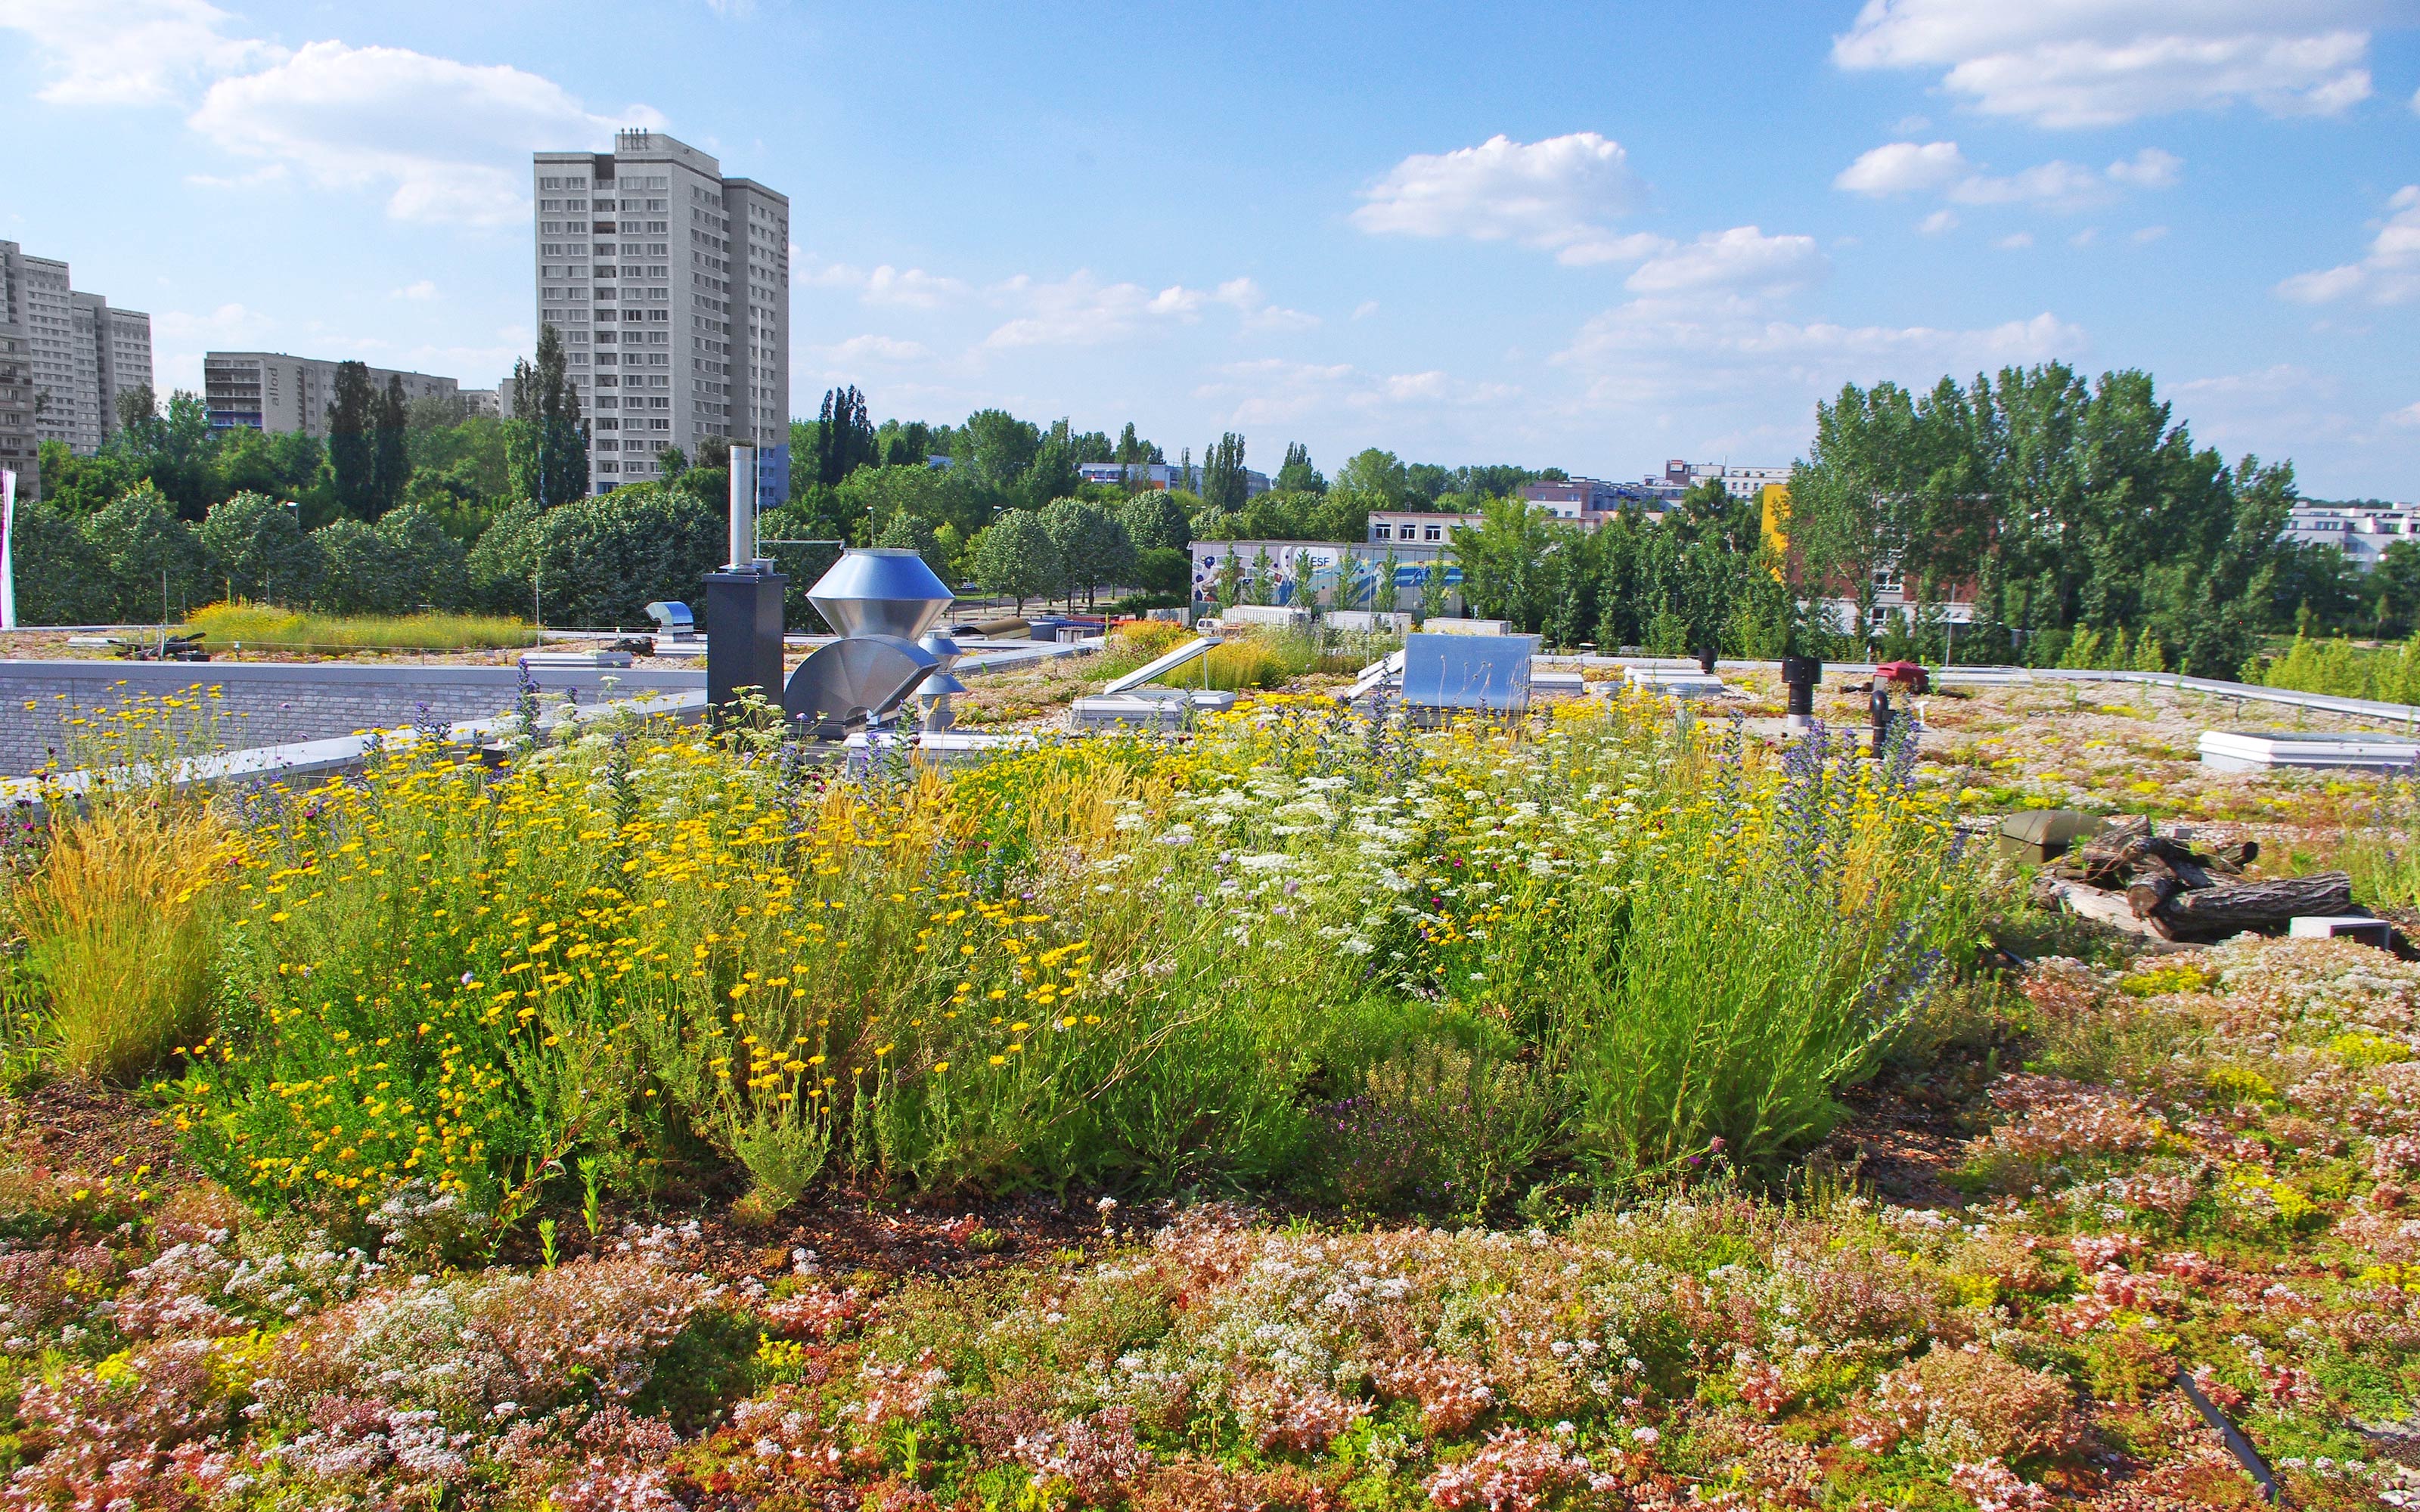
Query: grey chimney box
[[743, 604]]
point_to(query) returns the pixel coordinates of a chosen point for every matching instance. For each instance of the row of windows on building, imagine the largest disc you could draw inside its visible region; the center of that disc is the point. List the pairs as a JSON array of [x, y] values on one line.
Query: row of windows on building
[[604, 206], [628, 180]]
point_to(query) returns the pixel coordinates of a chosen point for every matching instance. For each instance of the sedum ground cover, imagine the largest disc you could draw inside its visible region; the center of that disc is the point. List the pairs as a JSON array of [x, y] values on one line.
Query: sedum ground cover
[[1452, 1119]]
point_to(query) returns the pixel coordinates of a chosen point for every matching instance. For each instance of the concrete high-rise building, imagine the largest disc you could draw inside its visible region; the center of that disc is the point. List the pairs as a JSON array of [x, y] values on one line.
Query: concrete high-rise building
[[669, 284], [275, 392], [83, 353], [20, 447]]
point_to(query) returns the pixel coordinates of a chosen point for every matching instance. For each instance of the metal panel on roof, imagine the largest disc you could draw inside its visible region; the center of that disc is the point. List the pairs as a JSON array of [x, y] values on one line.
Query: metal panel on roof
[[1482, 674]]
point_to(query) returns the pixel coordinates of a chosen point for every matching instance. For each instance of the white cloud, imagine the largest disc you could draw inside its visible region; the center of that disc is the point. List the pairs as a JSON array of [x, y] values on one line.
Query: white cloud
[[2085, 238], [1903, 168], [1742, 257], [2149, 234], [1556, 195], [872, 349], [2390, 274], [1274, 391], [1364, 310], [2148, 169], [1246, 299], [910, 288], [2015, 242], [1654, 352], [129, 52], [2408, 415], [228, 322], [444, 139], [2099, 62], [1937, 223], [423, 289], [1915, 168], [1082, 311]]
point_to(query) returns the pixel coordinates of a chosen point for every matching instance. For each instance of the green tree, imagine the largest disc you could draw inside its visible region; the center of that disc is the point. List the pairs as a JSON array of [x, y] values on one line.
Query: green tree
[[1304, 571], [845, 437], [135, 405], [292, 464], [1229, 579], [1223, 484], [1383, 593], [1164, 569], [255, 551], [502, 565], [1053, 475], [358, 573], [600, 560], [1016, 556], [546, 442], [62, 578], [1000, 451], [1297, 474], [151, 561], [352, 441], [84, 485], [1154, 522], [1377, 477], [426, 558], [1132, 449], [174, 449], [1434, 589], [2395, 589], [1093, 549], [867, 501], [914, 533], [1503, 561], [391, 453]]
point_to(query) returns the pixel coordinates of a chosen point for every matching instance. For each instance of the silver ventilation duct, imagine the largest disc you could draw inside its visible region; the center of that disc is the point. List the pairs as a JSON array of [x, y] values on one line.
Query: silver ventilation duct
[[935, 691], [743, 509], [879, 599], [880, 590]]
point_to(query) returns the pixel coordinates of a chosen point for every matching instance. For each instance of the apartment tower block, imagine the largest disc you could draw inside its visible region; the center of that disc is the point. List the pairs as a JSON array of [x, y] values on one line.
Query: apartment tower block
[[20, 448], [670, 285], [82, 353]]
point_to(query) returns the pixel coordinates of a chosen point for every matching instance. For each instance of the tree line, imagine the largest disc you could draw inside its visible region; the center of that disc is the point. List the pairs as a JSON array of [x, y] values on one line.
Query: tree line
[[2072, 515], [2079, 521], [411, 504]]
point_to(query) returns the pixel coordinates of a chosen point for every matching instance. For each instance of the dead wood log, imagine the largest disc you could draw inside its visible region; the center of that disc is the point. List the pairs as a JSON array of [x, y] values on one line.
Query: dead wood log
[[2109, 908], [2240, 905], [2154, 883]]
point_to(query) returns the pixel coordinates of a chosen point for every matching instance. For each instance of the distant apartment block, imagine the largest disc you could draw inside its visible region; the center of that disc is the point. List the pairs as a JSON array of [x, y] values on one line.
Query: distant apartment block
[[2362, 531], [483, 404], [1400, 528], [20, 447], [670, 285], [1589, 501], [81, 352], [1162, 476], [276, 392], [1739, 482]]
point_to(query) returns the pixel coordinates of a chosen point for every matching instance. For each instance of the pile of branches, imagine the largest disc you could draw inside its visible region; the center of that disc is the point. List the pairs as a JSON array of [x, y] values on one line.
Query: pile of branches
[[2176, 892]]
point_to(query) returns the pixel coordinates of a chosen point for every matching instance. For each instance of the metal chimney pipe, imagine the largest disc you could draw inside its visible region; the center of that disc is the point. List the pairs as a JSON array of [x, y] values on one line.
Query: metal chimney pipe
[[743, 510]]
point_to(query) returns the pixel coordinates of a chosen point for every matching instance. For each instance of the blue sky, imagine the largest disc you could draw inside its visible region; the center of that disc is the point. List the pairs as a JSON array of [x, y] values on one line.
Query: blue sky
[[1592, 236]]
